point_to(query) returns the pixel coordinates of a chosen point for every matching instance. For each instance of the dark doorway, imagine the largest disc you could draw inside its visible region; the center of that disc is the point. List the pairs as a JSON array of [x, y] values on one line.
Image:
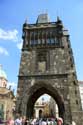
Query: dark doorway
[[40, 113]]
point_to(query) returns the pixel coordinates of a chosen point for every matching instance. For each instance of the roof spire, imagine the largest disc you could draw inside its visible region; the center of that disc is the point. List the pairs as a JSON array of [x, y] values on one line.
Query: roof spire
[[26, 20], [58, 19], [25, 23]]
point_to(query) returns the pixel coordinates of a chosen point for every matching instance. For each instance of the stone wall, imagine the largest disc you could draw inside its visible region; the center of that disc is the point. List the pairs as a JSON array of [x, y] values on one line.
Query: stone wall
[[58, 80]]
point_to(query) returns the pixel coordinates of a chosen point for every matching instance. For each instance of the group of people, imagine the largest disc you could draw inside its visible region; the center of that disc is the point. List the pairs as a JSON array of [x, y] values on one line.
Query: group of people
[[33, 121], [17, 121], [51, 121]]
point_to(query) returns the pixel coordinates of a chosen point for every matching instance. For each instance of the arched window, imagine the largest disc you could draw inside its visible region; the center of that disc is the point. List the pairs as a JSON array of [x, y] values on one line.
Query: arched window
[[52, 40]]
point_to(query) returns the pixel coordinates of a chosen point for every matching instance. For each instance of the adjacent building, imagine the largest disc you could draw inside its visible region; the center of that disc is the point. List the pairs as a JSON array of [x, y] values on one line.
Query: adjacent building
[[53, 108], [81, 91], [39, 109], [7, 98]]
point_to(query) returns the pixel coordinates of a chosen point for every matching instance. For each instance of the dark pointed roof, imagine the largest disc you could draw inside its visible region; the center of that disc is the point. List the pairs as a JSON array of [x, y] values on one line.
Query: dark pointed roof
[[43, 18]]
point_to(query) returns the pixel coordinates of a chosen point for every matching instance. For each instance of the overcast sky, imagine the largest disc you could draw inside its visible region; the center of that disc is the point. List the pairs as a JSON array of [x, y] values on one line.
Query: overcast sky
[[13, 13]]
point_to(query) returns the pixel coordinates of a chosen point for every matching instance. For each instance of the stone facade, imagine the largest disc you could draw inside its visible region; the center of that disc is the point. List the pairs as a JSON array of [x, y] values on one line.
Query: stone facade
[[7, 98], [6, 103], [81, 91], [47, 66], [39, 110]]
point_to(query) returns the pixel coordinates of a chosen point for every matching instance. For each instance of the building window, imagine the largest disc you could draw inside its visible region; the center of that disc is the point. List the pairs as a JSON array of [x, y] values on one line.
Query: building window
[[39, 41], [35, 42], [74, 82], [32, 42], [52, 40], [1, 111], [75, 91], [48, 41], [77, 102], [43, 41], [57, 42]]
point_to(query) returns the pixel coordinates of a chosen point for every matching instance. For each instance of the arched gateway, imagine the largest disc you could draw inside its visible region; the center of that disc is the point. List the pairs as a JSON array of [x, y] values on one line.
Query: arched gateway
[[47, 66]]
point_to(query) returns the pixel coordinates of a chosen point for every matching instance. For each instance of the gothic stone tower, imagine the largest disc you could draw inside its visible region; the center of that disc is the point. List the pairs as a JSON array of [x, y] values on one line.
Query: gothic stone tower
[[47, 66]]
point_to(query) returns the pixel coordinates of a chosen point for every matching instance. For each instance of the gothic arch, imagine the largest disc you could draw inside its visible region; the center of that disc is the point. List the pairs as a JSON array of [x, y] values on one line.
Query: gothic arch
[[39, 89]]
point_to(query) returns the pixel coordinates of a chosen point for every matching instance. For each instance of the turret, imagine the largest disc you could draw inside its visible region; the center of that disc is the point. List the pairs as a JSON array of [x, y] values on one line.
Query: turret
[[3, 77]]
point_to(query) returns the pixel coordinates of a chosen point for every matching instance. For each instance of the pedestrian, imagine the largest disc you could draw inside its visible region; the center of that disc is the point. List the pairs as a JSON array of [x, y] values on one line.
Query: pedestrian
[[33, 121], [23, 120], [59, 121], [73, 123], [44, 121], [18, 121], [26, 121], [2, 122], [10, 121]]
